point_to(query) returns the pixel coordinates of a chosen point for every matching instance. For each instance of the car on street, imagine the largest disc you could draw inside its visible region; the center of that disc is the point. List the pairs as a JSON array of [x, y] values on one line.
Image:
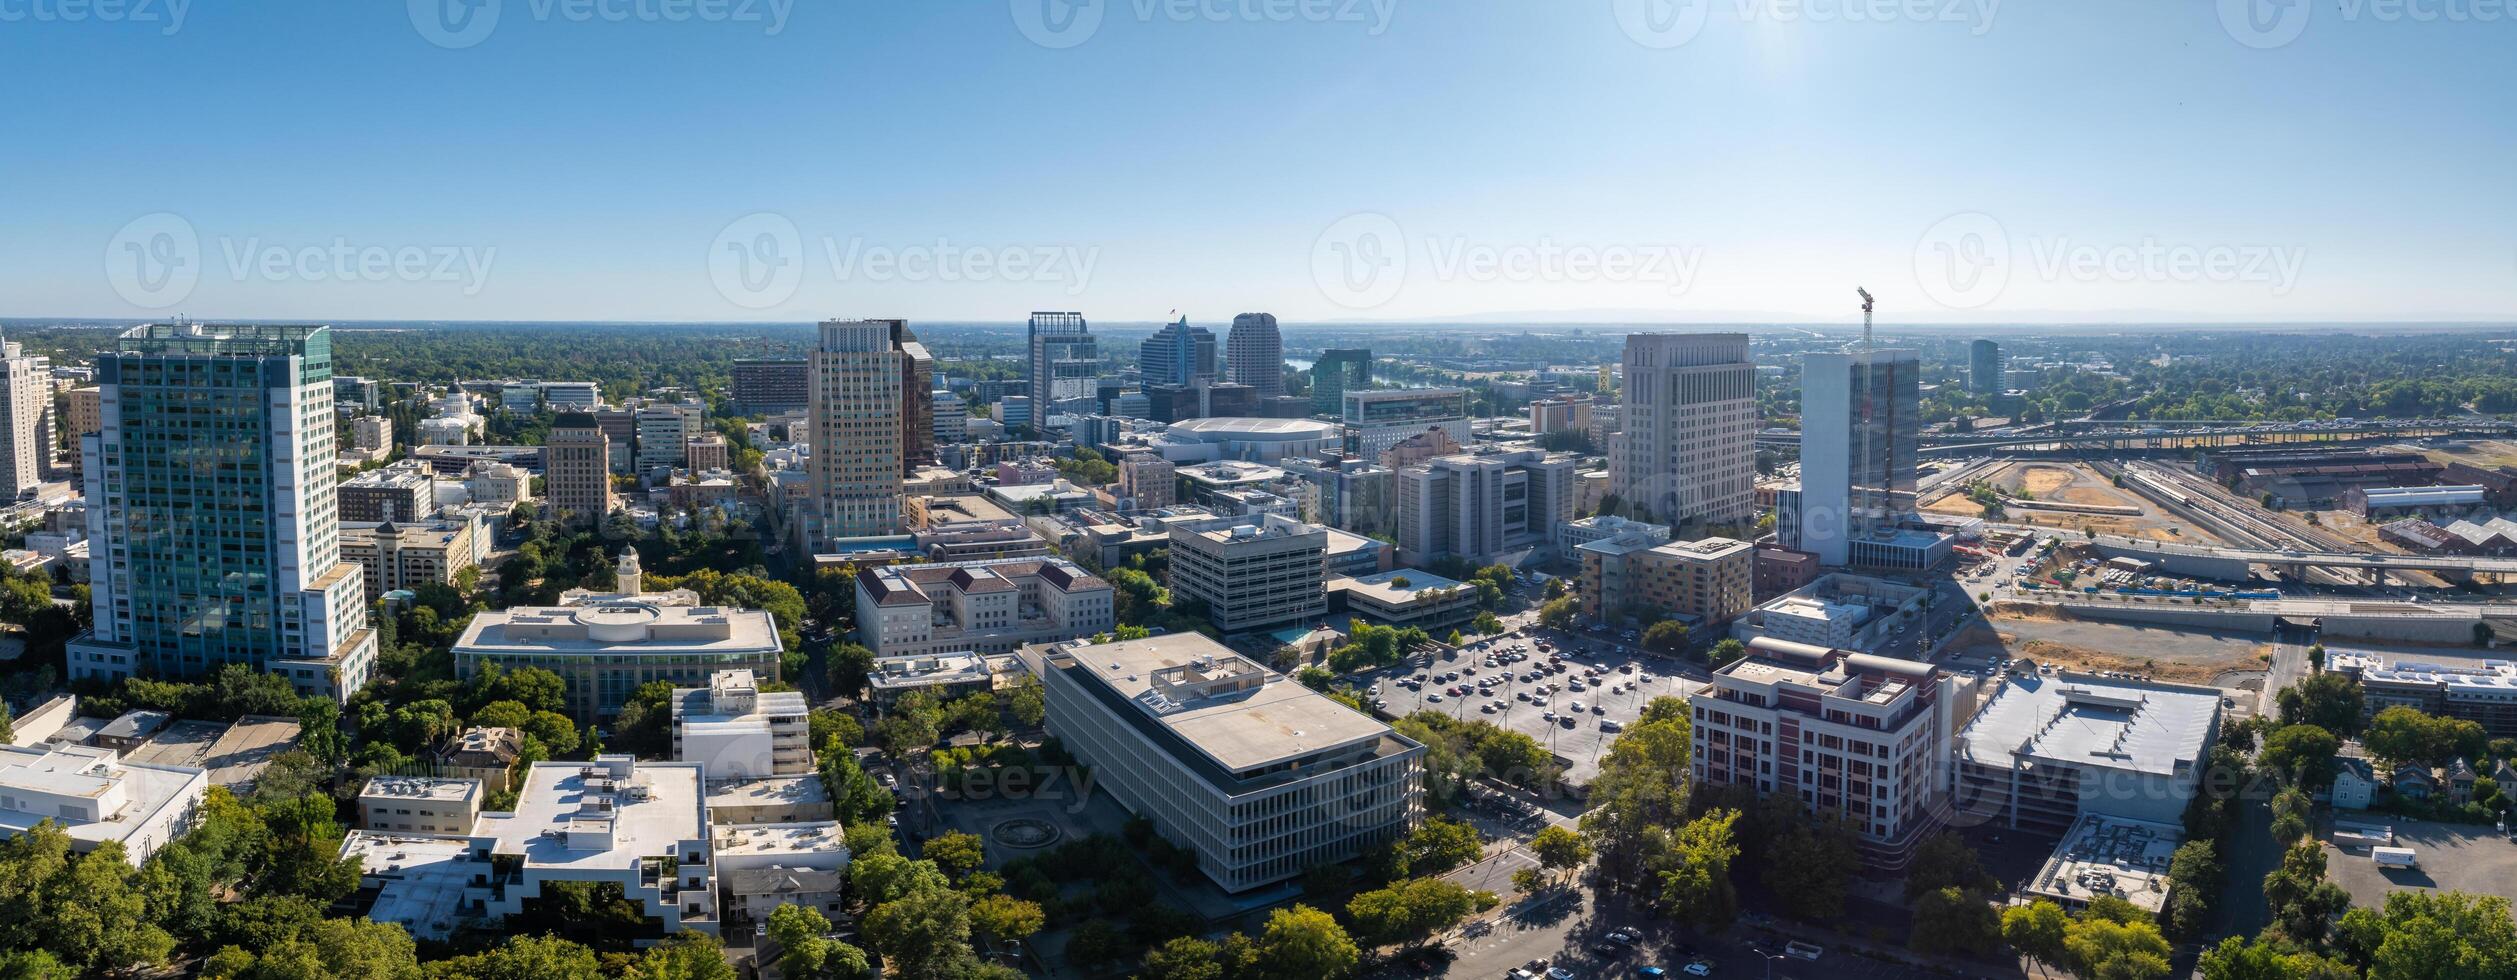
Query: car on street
[[1700, 968], [1653, 972], [1559, 973]]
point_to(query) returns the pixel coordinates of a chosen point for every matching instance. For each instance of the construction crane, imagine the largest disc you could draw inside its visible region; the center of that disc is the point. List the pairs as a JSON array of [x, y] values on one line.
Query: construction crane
[[1866, 304]]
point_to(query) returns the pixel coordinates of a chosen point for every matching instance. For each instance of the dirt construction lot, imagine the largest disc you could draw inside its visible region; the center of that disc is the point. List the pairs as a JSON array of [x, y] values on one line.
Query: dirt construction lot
[[2044, 636], [2073, 483]]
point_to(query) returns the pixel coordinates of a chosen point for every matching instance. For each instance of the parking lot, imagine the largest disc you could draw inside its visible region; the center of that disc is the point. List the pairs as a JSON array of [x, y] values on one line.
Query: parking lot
[[2453, 857], [1607, 700]]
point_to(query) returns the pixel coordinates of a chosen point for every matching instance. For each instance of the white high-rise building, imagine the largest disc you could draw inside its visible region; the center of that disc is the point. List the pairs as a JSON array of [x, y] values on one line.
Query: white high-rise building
[[26, 420], [857, 441], [1690, 416], [198, 566], [1860, 430], [952, 418], [1255, 353]]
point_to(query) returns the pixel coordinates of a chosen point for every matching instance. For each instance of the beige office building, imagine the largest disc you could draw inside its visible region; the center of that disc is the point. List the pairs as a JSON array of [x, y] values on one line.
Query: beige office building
[[1258, 775], [406, 556], [860, 448], [1690, 416], [1252, 575], [577, 469], [1711, 581]]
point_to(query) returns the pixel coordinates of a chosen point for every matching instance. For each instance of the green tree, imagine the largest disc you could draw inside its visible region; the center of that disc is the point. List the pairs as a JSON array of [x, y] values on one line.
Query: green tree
[[1438, 845], [1006, 919], [2268, 958], [1945, 860], [957, 853], [2302, 753], [924, 934], [1412, 911], [1667, 637], [689, 955], [1696, 889], [1487, 624], [2431, 935], [1810, 868], [2406, 735], [1953, 921], [1560, 850], [2329, 701], [524, 957], [1560, 613], [2038, 931], [2103, 949], [1184, 958], [802, 934], [2302, 902], [1304, 943]]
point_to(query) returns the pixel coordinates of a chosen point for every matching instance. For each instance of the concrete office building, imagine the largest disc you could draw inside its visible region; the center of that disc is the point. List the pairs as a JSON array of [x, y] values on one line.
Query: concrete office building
[[1690, 417], [419, 805], [766, 385], [497, 484], [1376, 420], [664, 433], [577, 468], [94, 796], [1563, 413], [859, 444], [2043, 750], [1493, 505], [706, 452], [571, 396], [1252, 575], [404, 491], [1339, 370], [1984, 368], [988, 606], [1853, 736], [195, 567], [1258, 775], [1860, 436], [604, 650], [739, 731], [951, 418], [1255, 353], [1065, 366], [394, 555], [1177, 355], [371, 440], [640, 825], [1404, 597], [27, 427], [1700, 583]]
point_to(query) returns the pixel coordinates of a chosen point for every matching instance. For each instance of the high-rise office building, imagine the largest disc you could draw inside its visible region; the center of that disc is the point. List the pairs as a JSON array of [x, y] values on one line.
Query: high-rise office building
[[1065, 365], [26, 420], [1178, 354], [577, 469], [1483, 506], [211, 520], [858, 438], [772, 384], [1338, 369], [1984, 368], [917, 400], [87, 417], [1860, 430], [1256, 353], [1690, 416]]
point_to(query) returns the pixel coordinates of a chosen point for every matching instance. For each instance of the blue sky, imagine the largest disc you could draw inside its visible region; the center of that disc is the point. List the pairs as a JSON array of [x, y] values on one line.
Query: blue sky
[[1321, 159]]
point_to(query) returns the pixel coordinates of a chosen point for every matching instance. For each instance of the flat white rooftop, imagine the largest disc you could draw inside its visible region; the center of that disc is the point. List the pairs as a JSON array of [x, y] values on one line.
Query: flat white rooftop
[[806, 837], [1272, 719], [78, 771], [420, 788], [767, 791], [2103, 855], [2092, 722], [421, 878], [648, 814]]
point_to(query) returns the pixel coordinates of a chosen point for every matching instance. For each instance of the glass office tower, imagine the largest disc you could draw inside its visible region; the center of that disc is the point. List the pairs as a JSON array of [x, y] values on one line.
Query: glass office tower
[[212, 527]]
